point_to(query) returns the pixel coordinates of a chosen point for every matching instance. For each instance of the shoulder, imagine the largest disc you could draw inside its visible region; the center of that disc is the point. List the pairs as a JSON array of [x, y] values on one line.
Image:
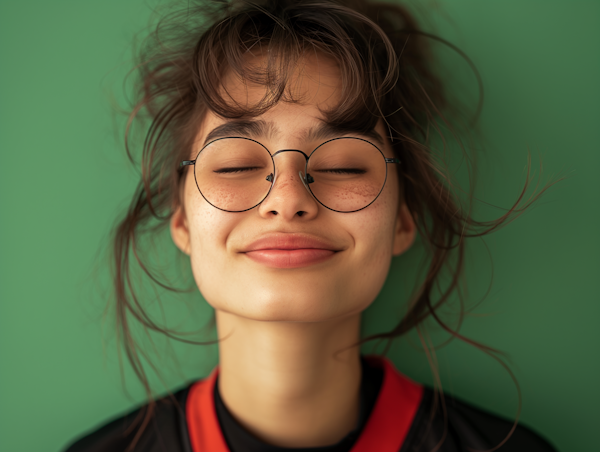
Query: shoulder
[[469, 427], [166, 431], [494, 428]]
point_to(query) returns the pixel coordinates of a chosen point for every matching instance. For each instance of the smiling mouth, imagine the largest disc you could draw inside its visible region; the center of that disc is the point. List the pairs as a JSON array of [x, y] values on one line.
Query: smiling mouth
[[279, 250], [290, 258]]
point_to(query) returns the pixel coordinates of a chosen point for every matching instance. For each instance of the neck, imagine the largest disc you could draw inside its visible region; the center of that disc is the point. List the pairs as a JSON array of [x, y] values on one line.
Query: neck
[[291, 384]]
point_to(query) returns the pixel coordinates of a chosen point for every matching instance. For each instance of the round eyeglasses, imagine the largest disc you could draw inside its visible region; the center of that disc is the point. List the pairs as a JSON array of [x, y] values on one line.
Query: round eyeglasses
[[236, 174]]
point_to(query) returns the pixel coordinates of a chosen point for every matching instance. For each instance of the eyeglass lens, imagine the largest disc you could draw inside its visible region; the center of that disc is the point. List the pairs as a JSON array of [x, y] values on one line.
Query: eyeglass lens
[[235, 174]]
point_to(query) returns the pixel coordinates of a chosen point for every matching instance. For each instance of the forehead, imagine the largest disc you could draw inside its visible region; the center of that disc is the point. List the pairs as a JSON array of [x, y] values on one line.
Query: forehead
[[314, 80], [313, 87]]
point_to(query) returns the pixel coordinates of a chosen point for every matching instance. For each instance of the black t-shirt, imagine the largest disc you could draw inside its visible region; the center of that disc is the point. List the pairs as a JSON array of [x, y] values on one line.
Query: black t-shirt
[[463, 427]]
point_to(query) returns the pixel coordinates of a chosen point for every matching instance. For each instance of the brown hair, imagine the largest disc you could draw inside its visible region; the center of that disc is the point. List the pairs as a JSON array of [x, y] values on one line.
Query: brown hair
[[386, 65]]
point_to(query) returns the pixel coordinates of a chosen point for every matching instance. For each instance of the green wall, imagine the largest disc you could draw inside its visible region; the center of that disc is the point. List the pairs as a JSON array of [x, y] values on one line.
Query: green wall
[[63, 178]]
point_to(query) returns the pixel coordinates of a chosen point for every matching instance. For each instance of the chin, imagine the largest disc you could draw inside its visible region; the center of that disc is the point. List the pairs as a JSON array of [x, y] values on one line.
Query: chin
[[306, 295], [290, 306]]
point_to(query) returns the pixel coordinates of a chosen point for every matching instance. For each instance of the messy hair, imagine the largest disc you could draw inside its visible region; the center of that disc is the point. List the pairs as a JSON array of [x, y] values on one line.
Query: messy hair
[[387, 74]]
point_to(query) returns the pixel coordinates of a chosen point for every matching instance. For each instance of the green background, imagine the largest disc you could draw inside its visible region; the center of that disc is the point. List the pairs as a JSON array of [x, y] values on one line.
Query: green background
[[64, 178]]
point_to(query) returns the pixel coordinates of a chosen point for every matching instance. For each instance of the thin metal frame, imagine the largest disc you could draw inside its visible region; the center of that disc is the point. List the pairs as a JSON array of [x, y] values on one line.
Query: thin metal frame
[[306, 178]]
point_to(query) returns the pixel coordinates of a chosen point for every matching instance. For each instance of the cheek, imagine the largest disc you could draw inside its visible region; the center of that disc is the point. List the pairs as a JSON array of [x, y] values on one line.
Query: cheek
[[373, 232], [373, 227], [209, 229]]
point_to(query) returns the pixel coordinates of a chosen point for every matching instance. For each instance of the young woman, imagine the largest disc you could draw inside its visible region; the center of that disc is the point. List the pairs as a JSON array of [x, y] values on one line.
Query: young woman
[[288, 153]]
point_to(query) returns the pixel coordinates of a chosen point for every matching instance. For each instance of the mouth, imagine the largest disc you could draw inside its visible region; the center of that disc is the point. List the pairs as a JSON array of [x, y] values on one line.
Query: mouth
[[290, 250]]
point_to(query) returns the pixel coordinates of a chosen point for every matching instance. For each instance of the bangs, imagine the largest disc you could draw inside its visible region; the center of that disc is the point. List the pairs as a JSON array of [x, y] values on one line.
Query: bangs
[[280, 40]]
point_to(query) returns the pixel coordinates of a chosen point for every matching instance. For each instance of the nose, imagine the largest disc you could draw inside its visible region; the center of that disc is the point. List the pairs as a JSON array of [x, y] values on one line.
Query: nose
[[289, 197]]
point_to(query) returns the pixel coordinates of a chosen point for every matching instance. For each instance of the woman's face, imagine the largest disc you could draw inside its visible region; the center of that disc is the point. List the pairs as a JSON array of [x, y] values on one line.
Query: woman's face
[[236, 257]]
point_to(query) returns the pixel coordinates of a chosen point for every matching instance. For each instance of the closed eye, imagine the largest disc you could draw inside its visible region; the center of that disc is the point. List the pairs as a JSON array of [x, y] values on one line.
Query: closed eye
[[342, 171], [233, 170]]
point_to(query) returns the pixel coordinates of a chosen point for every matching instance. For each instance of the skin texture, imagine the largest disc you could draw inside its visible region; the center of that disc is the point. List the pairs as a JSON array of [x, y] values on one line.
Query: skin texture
[[288, 372]]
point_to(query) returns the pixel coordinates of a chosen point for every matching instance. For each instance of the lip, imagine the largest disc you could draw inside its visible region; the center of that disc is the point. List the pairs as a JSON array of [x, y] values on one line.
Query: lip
[[287, 250]]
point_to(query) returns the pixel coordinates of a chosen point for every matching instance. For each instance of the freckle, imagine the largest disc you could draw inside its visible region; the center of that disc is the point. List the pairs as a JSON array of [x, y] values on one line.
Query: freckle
[[353, 190], [224, 197], [281, 183]]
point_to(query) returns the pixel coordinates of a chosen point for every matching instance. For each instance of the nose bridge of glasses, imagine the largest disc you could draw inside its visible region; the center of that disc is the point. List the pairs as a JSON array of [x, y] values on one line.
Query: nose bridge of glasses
[[297, 165], [293, 161], [281, 151]]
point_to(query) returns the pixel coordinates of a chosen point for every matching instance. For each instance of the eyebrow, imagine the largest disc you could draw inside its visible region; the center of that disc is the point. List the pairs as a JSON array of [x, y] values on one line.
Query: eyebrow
[[267, 129], [243, 128], [326, 131]]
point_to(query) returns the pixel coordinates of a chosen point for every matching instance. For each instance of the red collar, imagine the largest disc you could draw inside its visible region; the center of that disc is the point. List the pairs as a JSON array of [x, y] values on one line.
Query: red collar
[[386, 429]]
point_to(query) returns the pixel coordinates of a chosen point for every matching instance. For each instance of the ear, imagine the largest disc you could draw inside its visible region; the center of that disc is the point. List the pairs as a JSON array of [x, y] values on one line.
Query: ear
[[180, 232], [405, 231]]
